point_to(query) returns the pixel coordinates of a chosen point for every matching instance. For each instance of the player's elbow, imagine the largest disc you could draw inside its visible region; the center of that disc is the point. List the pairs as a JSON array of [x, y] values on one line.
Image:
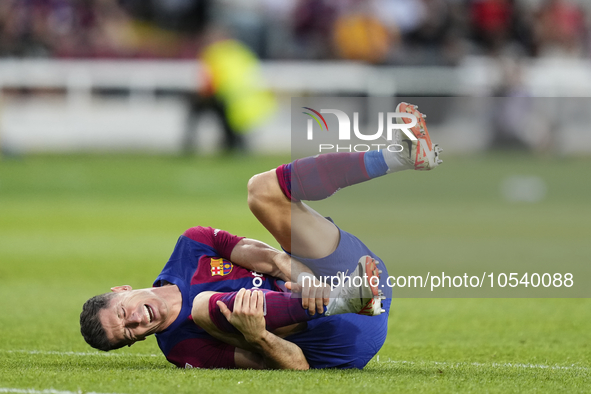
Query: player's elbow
[[302, 366], [200, 309], [295, 364]]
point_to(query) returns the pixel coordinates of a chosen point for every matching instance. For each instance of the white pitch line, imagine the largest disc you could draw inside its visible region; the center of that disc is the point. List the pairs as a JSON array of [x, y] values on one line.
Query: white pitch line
[[388, 361], [56, 353], [46, 391], [493, 365]]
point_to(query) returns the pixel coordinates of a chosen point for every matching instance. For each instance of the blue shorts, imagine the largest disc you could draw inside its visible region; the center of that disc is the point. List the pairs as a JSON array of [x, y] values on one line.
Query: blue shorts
[[348, 340]]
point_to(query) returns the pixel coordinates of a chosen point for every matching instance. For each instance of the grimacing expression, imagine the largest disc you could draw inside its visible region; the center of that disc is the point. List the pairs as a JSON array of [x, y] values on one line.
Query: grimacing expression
[[132, 315]]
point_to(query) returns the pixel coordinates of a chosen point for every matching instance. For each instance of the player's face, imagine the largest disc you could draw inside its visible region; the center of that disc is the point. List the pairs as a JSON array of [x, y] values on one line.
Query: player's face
[[133, 315]]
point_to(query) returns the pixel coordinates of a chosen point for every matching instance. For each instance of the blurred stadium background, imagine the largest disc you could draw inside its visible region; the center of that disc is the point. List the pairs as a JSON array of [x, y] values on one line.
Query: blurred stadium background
[[116, 117], [104, 75]]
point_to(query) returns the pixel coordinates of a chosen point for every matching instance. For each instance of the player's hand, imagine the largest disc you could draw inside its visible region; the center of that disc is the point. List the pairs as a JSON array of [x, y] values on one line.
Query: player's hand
[[248, 315], [315, 295]]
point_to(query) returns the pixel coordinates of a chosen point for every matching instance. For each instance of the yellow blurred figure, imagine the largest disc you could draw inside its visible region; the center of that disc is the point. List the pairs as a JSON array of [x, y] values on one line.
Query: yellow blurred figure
[[233, 76]]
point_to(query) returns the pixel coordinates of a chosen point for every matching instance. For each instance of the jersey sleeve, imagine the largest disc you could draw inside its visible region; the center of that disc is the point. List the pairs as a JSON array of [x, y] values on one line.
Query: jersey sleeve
[[202, 353], [222, 241]]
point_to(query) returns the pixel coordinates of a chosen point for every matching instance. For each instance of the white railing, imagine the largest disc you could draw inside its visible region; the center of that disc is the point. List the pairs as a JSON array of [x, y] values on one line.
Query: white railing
[[544, 77], [142, 121]]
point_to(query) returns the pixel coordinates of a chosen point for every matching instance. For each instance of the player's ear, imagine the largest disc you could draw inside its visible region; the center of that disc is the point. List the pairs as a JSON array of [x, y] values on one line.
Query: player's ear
[[119, 289]]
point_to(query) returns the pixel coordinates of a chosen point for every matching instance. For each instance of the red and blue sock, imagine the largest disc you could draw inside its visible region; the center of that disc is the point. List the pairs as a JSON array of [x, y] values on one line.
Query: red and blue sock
[[282, 310], [318, 177]]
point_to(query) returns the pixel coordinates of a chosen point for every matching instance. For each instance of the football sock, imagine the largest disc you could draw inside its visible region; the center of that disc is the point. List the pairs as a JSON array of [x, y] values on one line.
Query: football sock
[[281, 310], [318, 177]]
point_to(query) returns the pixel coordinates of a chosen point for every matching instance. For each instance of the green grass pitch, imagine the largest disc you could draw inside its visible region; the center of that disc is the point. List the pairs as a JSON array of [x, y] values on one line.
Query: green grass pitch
[[73, 226]]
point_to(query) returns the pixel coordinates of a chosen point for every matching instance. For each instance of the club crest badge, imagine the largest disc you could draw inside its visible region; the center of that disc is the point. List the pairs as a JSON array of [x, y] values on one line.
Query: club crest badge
[[220, 267]]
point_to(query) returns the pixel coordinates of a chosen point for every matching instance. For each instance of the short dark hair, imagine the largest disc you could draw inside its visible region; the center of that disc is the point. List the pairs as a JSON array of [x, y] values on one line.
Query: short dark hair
[[90, 324]]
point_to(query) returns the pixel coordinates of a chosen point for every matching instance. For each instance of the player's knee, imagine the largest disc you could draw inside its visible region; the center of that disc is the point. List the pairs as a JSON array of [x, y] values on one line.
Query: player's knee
[[256, 188], [261, 190]]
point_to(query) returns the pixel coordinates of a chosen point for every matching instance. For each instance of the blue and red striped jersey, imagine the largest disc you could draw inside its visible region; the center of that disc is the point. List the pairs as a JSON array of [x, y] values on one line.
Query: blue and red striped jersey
[[201, 262]]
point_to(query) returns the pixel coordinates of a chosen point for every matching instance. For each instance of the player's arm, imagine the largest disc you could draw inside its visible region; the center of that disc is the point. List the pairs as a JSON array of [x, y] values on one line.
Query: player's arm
[[248, 318], [260, 257], [265, 259], [248, 253]]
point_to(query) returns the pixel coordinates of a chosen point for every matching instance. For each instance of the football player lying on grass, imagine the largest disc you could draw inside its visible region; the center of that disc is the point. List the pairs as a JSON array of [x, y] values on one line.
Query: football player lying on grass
[[223, 301]]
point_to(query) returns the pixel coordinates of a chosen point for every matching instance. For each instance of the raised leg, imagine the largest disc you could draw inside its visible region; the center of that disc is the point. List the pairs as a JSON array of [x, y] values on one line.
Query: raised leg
[[275, 196], [313, 237]]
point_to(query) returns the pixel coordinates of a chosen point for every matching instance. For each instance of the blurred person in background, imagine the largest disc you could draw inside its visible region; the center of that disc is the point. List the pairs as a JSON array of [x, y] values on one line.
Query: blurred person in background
[[25, 29], [491, 21], [278, 29], [232, 87], [359, 34], [561, 29], [168, 28], [510, 107], [440, 38], [313, 21], [400, 18], [520, 121], [499, 24]]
